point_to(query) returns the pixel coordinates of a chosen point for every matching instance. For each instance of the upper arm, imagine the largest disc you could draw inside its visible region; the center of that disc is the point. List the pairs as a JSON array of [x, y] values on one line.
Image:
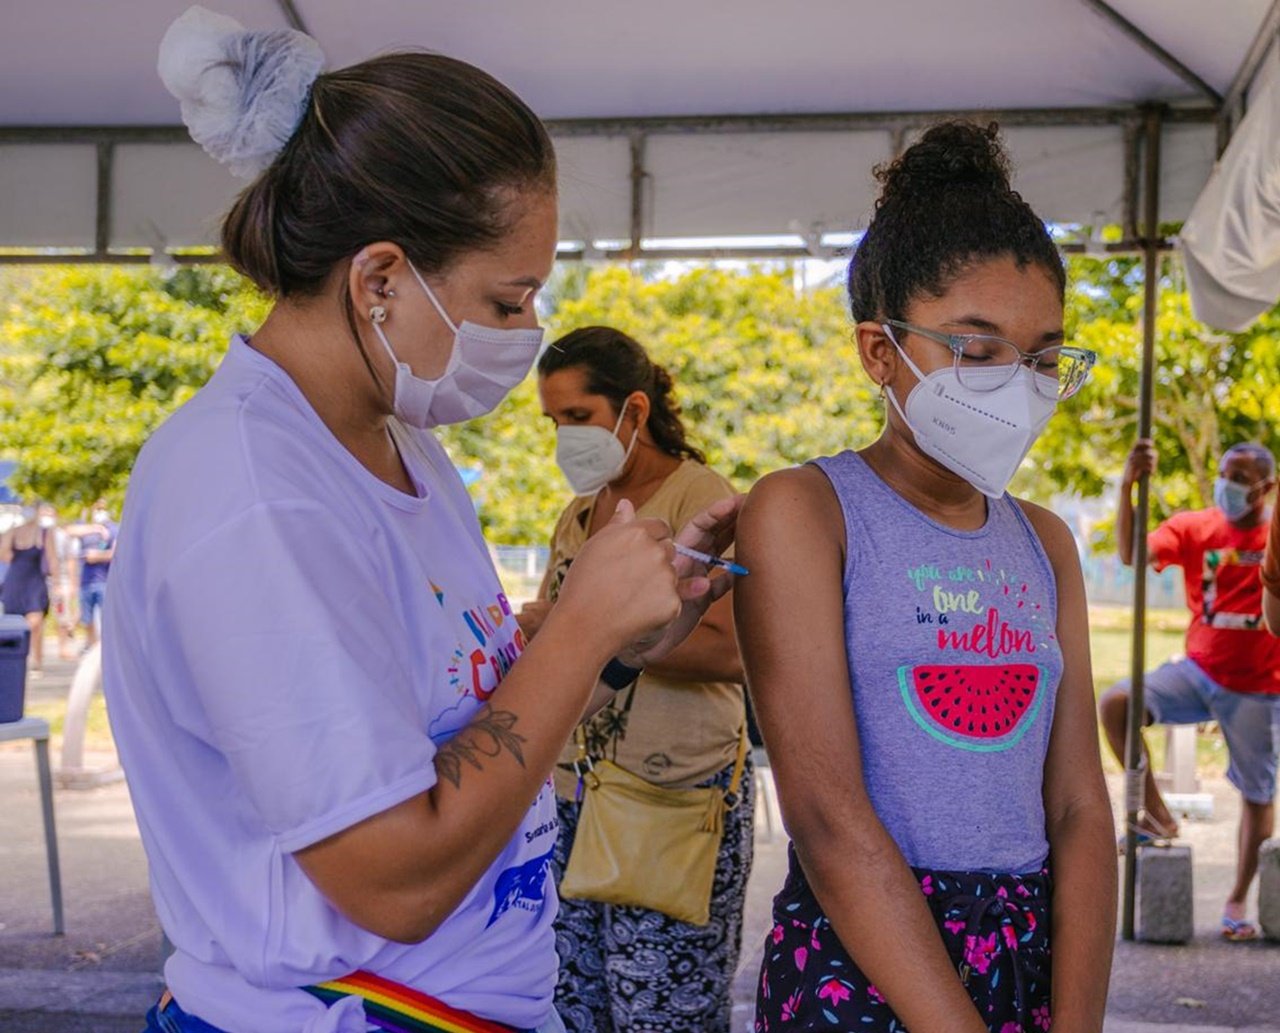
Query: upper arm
[[790, 616], [1166, 545], [1073, 768]]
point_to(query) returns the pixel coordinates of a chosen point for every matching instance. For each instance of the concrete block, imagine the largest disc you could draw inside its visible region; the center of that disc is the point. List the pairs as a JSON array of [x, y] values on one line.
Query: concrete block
[[1269, 888], [1165, 894]]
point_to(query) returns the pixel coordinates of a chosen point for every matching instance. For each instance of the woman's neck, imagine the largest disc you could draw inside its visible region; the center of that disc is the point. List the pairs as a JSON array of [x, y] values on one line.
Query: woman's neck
[[645, 473], [312, 343], [648, 467], [933, 490]]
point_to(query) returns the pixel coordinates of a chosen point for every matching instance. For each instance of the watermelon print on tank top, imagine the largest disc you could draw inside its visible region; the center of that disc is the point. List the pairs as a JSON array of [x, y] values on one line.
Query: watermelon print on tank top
[[954, 663]]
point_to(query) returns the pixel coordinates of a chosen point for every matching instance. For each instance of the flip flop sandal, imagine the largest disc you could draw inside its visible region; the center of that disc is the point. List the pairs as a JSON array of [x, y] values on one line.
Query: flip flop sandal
[[1238, 931]]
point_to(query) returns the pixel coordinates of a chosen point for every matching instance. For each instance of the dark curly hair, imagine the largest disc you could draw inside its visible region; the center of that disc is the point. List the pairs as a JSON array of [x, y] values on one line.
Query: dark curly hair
[[616, 366], [945, 202]]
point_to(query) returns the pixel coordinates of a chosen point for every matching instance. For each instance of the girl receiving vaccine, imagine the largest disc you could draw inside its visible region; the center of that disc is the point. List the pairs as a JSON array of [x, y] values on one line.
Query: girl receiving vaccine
[[952, 866]]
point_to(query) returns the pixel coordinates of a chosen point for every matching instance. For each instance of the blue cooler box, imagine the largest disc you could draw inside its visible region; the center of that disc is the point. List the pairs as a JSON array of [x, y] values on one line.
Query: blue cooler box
[[15, 640]]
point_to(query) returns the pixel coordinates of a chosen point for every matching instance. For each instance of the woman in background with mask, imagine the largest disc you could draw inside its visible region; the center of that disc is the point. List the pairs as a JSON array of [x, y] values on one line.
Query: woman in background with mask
[[620, 442], [940, 774], [337, 745]]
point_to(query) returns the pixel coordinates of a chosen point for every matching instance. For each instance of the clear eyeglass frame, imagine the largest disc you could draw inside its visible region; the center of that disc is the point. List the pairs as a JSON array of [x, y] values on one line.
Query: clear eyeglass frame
[[1061, 370]]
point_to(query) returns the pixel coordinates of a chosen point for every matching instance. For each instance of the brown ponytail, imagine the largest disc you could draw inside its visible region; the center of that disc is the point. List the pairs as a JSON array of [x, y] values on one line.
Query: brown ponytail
[[416, 148]]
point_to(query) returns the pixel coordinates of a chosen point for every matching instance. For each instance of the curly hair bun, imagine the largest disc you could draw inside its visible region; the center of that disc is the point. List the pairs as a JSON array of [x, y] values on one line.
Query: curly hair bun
[[950, 154], [946, 201]]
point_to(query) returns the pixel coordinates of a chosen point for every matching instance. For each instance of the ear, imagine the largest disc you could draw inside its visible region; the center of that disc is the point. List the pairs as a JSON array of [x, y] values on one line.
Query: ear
[[638, 406], [877, 351], [373, 276]]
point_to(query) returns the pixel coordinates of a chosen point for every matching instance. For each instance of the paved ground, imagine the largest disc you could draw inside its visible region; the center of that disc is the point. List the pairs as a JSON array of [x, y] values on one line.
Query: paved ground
[[104, 973]]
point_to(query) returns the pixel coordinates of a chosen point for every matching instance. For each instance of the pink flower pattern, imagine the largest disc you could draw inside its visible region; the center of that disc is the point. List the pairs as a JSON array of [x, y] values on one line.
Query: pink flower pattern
[[979, 952]]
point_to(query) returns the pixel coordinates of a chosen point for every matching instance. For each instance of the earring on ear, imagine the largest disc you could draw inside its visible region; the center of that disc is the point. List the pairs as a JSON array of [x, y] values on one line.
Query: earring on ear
[[378, 314]]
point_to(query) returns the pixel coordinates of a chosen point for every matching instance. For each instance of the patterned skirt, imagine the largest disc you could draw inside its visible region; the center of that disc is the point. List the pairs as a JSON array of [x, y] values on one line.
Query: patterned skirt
[[995, 929]]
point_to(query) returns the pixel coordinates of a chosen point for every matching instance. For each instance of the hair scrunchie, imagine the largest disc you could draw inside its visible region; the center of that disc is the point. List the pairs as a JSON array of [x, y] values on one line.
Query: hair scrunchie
[[242, 93]]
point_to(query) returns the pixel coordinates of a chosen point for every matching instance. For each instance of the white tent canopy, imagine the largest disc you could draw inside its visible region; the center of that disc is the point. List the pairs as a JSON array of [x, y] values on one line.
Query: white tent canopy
[[674, 120]]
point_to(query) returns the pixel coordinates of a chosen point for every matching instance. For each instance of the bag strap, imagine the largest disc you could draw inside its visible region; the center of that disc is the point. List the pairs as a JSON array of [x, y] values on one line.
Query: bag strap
[[735, 781]]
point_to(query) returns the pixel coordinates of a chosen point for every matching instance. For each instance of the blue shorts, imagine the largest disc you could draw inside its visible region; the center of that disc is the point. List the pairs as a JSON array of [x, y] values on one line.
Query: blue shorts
[[1180, 693], [92, 599]]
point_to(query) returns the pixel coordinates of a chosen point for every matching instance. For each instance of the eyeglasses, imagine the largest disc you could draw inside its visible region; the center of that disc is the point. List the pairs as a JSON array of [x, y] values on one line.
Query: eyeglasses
[[1060, 371]]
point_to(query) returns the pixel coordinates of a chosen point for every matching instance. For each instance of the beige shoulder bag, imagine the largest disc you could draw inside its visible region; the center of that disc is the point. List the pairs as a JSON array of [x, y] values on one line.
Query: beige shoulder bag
[[644, 846]]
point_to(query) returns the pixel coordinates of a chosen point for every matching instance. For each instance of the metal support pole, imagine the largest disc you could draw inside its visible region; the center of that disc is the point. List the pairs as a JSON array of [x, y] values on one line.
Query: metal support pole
[[638, 175], [102, 218], [1134, 755]]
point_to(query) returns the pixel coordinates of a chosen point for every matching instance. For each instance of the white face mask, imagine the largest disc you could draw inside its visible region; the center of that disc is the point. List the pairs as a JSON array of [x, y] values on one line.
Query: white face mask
[[484, 366], [982, 436], [101, 516], [591, 457], [47, 522]]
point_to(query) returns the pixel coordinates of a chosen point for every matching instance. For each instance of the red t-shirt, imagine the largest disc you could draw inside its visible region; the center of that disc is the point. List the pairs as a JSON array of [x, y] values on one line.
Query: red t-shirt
[[1220, 564]]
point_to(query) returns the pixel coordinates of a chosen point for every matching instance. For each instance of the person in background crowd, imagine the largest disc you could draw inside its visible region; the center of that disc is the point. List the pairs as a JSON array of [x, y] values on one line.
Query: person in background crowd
[[28, 549], [619, 437], [1231, 671], [63, 581], [952, 866], [96, 542]]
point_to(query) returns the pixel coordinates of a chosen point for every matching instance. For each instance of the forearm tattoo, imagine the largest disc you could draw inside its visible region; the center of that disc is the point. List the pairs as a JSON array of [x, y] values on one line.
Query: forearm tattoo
[[491, 732]]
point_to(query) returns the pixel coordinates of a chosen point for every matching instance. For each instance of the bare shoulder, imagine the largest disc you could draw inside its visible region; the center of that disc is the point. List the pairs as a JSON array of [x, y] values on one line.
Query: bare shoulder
[[1053, 532], [795, 491], [791, 518]]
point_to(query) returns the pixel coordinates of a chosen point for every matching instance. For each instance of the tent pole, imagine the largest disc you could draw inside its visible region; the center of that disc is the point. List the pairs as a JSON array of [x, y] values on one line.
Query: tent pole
[[637, 142], [1135, 759]]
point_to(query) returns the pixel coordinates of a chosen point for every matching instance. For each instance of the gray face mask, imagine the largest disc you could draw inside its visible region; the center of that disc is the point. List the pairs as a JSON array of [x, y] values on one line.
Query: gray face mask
[[484, 366]]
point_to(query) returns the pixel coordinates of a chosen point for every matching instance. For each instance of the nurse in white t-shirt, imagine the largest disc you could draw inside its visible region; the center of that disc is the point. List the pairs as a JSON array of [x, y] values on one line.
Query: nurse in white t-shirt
[[337, 742]]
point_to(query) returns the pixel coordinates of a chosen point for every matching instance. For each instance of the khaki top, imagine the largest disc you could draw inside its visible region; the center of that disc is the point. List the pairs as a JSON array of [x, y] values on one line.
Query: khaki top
[[670, 733]]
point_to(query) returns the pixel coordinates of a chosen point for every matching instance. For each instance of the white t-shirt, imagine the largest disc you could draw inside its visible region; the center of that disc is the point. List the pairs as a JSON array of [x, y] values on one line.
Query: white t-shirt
[[287, 641]]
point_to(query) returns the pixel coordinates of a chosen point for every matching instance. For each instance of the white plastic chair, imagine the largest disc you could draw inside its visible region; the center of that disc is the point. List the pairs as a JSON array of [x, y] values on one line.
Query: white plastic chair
[[37, 729]]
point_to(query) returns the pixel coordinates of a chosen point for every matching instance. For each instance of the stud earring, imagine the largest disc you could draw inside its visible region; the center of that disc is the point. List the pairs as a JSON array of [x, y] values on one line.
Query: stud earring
[[378, 314]]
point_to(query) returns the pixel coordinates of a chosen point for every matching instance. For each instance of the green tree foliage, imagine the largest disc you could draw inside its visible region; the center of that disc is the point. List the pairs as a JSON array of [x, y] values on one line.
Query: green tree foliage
[[767, 376], [1212, 390], [92, 360]]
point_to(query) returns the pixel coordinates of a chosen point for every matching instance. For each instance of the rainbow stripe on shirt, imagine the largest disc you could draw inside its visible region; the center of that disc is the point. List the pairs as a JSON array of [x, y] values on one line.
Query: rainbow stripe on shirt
[[396, 1008]]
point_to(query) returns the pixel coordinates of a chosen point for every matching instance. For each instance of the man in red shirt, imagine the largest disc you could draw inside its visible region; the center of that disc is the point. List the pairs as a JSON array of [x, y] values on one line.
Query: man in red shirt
[[1231, 673]]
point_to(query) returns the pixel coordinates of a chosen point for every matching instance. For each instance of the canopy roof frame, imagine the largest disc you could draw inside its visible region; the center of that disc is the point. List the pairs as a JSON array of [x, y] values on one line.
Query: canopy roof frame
[[638, 131]]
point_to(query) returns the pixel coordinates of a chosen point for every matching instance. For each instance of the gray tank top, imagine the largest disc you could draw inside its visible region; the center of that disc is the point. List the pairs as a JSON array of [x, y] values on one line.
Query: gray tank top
[[954, 662]]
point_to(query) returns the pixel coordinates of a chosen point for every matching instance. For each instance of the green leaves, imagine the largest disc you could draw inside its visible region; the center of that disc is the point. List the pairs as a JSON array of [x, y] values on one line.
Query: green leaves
[[1212, 390], [93, 359], [766, 376]]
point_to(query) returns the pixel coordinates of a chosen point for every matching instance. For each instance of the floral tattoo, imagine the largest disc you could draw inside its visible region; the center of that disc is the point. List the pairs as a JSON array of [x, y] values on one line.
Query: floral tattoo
[[488, 735]]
